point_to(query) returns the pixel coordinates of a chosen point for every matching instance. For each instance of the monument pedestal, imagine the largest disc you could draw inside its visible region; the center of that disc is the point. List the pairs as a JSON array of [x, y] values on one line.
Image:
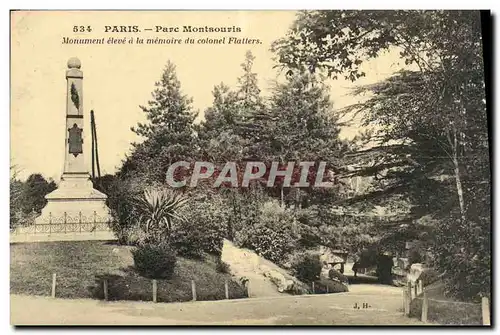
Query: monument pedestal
[[75, 201]]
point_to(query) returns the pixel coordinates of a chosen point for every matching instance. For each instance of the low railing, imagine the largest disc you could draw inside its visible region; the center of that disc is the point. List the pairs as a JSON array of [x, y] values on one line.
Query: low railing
[[66, 218], [416, 291], [44, 228], [66, 223]]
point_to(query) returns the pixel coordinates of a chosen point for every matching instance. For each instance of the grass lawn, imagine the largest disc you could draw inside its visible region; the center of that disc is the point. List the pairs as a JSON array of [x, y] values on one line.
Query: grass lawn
[[81, 267], [446, 311]]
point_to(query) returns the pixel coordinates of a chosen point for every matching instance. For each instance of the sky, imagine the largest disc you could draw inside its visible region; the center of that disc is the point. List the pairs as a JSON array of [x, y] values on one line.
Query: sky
[[120, 78]]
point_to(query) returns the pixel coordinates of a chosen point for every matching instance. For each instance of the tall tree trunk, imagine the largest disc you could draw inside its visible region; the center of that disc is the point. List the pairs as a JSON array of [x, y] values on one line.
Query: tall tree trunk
[[282, 196], [456, 168], [298, 203]]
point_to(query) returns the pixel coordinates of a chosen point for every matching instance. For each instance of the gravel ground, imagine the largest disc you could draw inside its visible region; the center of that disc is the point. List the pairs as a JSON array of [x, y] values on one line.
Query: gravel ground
[[333, 309]]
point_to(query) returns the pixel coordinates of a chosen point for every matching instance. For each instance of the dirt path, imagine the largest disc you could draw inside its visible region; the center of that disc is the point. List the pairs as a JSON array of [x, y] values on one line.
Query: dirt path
[[333, 309], [246, 263]]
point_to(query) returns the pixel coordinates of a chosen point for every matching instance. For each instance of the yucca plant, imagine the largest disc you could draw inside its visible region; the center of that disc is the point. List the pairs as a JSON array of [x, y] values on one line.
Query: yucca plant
[[158, 209]]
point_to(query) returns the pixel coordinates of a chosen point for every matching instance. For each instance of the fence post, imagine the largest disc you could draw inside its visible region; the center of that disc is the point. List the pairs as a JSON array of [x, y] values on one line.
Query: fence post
[[327, 289], [80, 220], [416, 289], [50, 224], [53, 285], [421, 286], [409, 289], [65, 221], [314, 291], [95, 222], [193, 289], [407, 299], [404, 300], [105, 286], [155, 290], [425, 307], [226, 288], [485, 311]]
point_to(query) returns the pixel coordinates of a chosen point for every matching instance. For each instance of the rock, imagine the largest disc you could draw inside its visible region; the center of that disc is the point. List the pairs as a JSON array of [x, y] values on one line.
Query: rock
[[402, 263], [278, 279], [115, 250], [244, 281], [416, 270], [337, 276]]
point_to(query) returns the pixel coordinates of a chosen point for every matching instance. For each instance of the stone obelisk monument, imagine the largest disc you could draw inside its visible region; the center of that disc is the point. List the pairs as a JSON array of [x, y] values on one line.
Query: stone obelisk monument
[[75, 200]]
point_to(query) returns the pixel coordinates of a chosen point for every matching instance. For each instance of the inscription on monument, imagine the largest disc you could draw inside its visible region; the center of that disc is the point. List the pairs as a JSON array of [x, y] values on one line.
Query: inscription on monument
[[75, 140]]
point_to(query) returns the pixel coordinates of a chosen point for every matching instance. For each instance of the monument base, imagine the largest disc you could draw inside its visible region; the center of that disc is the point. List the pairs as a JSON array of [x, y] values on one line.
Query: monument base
[[75, 201]]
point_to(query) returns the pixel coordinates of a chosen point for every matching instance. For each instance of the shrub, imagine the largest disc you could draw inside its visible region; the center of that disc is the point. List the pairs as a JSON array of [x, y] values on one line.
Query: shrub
[[329, 286], [337, 276], [415, 256], [158, 209], [306, 266], [223, 267], [142, 212], [121, 194], [428, 276], [274, 236], [463, 250], [155, 261], [20, 218], [202, 229]]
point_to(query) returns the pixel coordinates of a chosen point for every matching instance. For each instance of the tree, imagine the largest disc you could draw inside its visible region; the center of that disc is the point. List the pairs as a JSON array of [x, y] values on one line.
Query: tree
[[432, 122], [228, 132], [301, 126], [231, 123], [218, 137], [251, 109], [158, 209], [35, 189], [16, 196], [169, 133]]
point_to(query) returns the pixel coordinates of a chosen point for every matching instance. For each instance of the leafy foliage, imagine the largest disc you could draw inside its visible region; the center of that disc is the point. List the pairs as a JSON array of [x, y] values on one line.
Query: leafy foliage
[[428, 152], [306, 266], [35, 190], [155, 261], [202, 230], [28, 198], [273, 235], [169, 133], [223, 267], [158, 209], [337, 276], [121, 194]]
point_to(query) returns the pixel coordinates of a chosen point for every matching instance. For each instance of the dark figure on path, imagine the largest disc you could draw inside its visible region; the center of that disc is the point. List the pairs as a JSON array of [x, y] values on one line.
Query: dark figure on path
[[355, 269], [384, 269]]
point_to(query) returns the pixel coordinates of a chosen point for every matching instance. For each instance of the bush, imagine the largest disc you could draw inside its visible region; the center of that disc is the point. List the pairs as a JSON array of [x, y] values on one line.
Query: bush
[[428, 276], [463, 250], [324, 285], [223, 267], [337, 276], [121, 194], [274, 236], [155, 261], [415, 257], [22, 219], [202, 229], [306, 266]]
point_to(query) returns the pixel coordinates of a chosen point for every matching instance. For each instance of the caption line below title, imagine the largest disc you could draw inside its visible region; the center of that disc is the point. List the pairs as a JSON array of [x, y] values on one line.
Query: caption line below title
[[227, 40]]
